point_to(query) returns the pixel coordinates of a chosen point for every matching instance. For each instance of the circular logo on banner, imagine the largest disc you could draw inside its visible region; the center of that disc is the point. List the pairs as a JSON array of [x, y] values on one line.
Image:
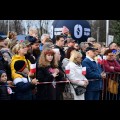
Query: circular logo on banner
[[51, 32], [78, 31]]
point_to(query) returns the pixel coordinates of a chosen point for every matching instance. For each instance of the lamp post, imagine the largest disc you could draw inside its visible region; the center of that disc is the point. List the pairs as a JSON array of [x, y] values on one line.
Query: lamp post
[[107, 31], [8, 29], [98, 33]]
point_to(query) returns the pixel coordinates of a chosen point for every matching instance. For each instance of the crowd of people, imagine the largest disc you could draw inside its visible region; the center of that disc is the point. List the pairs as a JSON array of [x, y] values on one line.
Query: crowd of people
[[38, 69]]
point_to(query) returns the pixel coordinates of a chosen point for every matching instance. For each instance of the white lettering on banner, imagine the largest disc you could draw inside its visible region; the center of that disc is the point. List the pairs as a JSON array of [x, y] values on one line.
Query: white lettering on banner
[[87, 31], [78, 31], [51, 32], [57, 31]]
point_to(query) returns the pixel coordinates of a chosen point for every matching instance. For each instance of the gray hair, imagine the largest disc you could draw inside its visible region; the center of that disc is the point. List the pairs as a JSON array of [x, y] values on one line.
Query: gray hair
[[90, 39], [43, 35], [82, 44], [47, 45]]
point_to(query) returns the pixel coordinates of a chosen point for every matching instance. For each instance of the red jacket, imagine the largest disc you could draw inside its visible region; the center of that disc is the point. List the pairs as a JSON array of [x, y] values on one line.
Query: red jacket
[[107, 64]]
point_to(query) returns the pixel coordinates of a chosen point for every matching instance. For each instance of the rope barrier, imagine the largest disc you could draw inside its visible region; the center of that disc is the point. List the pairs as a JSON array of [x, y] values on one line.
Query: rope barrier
[[7, 85], [53, 82]]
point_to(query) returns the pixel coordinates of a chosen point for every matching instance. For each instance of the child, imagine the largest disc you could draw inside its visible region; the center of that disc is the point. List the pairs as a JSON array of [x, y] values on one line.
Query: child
[[5, 91], [24, 84]]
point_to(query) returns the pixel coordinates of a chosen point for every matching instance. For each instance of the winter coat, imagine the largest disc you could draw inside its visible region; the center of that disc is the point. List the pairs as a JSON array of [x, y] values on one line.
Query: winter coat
[[48, 91], [14, 59], [4, 92], [93, 74], [76, 75], [62, 52], [114, 63], [24, 87], [7, 54], [65, 62]]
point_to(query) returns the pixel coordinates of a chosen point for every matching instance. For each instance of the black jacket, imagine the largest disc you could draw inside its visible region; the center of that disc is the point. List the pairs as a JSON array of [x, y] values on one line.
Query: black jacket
[[3, 92], [23, 91], [48, 91], [62, 53], [6, 67]]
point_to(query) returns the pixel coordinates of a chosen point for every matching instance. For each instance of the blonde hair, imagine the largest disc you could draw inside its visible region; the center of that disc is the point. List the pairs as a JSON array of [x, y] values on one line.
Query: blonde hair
[[32, 30], [90, 39], [17, 47], [11, 35], [74, 55], [42, 60], [43, 36], [7, 42], [96, 45]]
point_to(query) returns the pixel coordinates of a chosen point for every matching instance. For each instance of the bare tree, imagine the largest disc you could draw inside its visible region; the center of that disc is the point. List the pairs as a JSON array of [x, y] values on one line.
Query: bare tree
[[14, 25], [17, 26], [98, 28], [40, 22], [22, 26], [28, 22], [3, 26]]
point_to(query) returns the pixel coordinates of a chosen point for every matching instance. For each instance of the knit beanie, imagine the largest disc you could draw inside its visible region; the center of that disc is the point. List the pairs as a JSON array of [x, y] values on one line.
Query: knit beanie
[[32, 39], [20, 65], [1, 72]]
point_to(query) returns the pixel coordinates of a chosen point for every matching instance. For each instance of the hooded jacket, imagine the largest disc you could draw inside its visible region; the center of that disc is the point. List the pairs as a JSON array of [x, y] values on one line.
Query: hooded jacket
[[14, 59], [4, 95]]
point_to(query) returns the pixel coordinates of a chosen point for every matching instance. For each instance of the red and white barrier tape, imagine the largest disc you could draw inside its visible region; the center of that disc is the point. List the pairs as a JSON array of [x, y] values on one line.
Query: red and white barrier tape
[[64, 81], [54, 82]]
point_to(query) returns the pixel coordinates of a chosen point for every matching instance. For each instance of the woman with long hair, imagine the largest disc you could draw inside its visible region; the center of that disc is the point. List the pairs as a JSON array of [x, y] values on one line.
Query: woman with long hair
[[47, 71]]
